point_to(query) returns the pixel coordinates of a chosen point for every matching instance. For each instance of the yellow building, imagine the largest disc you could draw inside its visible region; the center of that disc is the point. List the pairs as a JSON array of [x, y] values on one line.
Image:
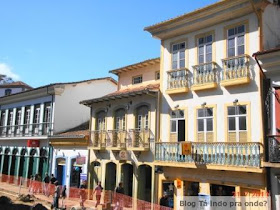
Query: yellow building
[[211, 126], [123, 131]]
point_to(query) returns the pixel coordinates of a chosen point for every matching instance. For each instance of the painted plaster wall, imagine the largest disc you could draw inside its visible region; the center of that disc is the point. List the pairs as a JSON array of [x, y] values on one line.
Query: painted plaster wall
[[14, 90], [68, 112], [219, 96], [271, 27], [148, 73]]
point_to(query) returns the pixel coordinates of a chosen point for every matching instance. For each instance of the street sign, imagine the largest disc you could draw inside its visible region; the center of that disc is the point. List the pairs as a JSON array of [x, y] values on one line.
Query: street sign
[[186, 148]]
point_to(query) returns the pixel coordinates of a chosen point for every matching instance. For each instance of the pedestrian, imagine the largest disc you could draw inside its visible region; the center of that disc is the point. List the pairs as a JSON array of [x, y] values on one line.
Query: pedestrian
[[52, 186], [53, 179], [46, 184], [164, 200], [56, 196], [63, 196], [118, 196], [98, 190], [83, 194]]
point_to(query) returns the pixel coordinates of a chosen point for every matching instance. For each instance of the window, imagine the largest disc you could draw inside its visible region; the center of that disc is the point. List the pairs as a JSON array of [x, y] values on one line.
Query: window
[[177, 123], [3, 117], [8, 92], [137, 79], [36, 119], [10, 117], [236, 41], [120, 119], [157, 75], [100, 119], [142, 114], [18, 116], [178, 55], [27, 115], [205, 49], [205, 125], [237, 123], [47, 112]]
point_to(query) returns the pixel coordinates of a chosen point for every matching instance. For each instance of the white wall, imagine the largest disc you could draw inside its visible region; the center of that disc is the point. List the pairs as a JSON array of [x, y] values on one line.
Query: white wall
[[69, 112], [220, 95], [271, 26]]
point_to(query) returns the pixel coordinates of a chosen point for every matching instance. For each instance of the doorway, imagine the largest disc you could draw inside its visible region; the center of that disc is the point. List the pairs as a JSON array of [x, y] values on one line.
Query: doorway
[[144, 182], [221, 190], [61, 170], [127, 178], [75, 175], [110, 178], [178, 129]]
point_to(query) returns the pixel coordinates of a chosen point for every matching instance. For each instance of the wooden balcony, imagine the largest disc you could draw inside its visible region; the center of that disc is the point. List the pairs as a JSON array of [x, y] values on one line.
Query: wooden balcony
[[205, 76], [220, 156], [177, 81], [236, 71]]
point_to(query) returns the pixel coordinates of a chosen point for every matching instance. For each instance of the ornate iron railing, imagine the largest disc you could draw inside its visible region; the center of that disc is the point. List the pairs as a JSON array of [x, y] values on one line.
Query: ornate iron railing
[[35, 129], [139, 138], [99, 138], [236, 67], [231, 154], [117, 138], [274, 149], [177, 79], [205, 73]]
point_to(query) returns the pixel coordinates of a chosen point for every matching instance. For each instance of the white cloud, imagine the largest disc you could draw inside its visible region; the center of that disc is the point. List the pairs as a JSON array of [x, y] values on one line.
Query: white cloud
[[7, 70]]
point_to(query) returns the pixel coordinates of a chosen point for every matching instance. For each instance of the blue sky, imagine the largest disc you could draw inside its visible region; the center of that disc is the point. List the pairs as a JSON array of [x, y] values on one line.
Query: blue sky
[[43, 42]]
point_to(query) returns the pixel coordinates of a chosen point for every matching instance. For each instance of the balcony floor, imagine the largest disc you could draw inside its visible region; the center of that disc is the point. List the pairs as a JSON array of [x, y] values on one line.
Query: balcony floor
[[177, 90], [235, 82]]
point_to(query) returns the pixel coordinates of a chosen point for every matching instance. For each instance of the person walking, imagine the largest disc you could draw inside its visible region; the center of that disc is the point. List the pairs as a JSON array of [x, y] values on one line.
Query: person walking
[[98, 190], [46, 184], [52, 186], [56, 196], [118, 196], [83, 194], [63, 196]]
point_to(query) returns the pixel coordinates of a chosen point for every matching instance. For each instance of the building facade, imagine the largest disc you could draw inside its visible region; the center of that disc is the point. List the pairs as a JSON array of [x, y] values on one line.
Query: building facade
[[123, 132], [211, 103], [28, 120]]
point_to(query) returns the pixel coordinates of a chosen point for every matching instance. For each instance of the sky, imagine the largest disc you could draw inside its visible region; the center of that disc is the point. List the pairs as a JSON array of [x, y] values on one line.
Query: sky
[[44, 42]]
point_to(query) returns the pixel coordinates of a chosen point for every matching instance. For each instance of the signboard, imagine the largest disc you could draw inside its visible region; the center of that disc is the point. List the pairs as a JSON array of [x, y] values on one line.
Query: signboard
[[123, 155], [33, 143], [186, 148], [80, 160]]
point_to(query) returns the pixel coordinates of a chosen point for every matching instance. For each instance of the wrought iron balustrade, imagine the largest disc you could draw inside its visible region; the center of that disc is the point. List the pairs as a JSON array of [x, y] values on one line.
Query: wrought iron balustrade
[[35, 129], [274, 149], [235, 67], [117, 138], [230, 154], [177, 79], [99, 138], [139, 138]]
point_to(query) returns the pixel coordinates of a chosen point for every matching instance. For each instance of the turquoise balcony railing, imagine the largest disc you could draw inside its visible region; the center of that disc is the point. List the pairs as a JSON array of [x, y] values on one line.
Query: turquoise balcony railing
[[229, 154]]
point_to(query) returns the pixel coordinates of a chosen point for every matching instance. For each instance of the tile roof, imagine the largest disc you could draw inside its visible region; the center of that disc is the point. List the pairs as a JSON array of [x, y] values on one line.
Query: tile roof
[[81, 133], [16, 84], [124, 93]]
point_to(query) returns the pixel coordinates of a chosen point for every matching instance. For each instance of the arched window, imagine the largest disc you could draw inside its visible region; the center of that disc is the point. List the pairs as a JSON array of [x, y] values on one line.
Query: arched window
[[142, 117], [120, 119], [100, 121]]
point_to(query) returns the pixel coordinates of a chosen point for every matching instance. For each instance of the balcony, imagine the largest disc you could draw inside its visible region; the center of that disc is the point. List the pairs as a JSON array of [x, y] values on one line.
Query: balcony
[[134, 139], [236, 71], [274, 149], [139, 139], [35, 129], [205, 76], [222, 154], [177, 81], [116, 139], [99, 139]]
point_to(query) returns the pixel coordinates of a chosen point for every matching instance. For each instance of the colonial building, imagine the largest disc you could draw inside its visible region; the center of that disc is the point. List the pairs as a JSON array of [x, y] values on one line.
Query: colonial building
[[211, 138], [123, 131], [13, 87], [29, 120]]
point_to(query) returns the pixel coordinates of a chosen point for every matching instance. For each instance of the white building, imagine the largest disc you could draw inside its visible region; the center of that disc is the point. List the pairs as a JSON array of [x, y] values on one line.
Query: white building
[[29, 119]]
